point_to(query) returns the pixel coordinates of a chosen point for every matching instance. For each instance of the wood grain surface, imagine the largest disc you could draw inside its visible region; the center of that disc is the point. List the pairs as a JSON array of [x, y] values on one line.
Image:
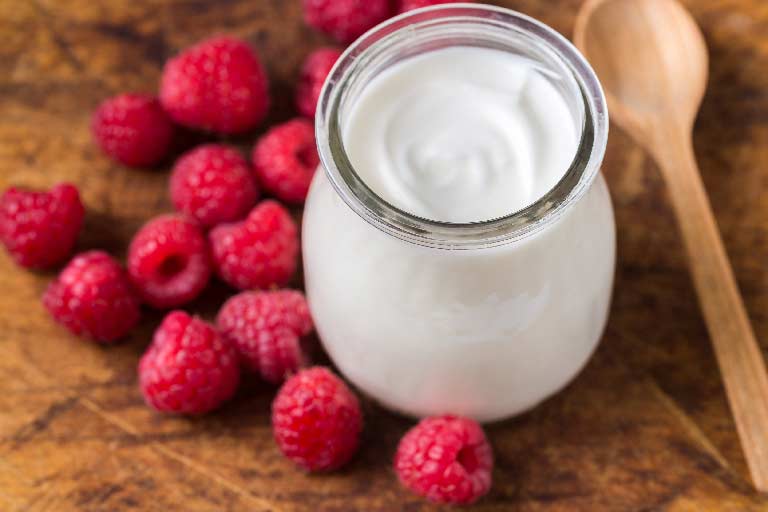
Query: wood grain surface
[[645, 427]]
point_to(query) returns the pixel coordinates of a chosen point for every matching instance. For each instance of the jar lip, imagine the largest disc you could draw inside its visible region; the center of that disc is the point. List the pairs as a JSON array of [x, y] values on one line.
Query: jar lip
[[516, 225]]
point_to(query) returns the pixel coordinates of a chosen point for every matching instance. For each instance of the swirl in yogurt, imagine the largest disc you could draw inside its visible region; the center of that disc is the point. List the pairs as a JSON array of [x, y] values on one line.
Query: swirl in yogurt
[[462, 134]]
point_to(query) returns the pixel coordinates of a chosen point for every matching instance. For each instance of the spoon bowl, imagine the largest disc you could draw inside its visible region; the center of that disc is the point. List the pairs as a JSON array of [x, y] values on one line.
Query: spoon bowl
[[651, 58]]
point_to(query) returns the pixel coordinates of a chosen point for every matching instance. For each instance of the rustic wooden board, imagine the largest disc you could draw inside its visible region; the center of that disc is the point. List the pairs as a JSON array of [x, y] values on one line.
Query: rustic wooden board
[[644, 427]]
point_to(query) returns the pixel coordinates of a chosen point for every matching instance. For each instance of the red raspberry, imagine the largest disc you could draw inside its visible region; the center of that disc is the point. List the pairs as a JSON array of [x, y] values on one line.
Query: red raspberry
[[447, 459], [169, 261], [266, 328], [188, 368], [314, 71], [93, 297], [39, 229], [316, 420], [132, 129], [260, 251], [217, 85], [213, 184], [285, 160], [345, 20], [409, 5]]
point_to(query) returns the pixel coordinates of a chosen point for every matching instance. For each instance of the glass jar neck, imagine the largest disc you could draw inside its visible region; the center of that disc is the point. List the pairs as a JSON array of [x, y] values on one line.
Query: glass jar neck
[[445, 26]]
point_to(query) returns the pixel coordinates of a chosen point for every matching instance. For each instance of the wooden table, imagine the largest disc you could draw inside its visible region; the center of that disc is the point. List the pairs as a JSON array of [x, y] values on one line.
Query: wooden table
[[644, 427]]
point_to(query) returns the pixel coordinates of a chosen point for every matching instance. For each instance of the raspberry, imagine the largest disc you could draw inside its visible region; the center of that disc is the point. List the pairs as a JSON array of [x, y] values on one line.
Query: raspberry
[[168, 261], [132, 129], [345, 20], [39, 229], [316, 420], [314, 71], [217, 85], [258, 252], [409, 5], [446, 459], [213, 184], [285, 159], [93, 297], [188, 368], [266, 328]]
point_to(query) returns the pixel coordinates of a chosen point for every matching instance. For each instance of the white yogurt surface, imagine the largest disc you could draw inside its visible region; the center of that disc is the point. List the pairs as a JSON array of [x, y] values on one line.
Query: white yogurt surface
[[461, 134]]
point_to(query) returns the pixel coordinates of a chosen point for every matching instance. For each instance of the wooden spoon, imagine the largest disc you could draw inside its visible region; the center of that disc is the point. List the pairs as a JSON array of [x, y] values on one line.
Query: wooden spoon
[[652, 61]]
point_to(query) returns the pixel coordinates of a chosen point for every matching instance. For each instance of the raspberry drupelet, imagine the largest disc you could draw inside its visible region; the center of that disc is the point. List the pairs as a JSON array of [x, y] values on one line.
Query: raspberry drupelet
[[213, 184], [266, 328], [317, 420], [314, 71], [345, 20], [169, 261], [218, 85], [446, 459], [258, 252], [133, 129], [188, 368], [93, 297], [409, 5], [40, 228], [285, 160]]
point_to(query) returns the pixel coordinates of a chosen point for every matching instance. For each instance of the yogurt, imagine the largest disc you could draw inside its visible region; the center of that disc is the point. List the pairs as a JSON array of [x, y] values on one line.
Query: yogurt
[[459, 135], [462, 134]]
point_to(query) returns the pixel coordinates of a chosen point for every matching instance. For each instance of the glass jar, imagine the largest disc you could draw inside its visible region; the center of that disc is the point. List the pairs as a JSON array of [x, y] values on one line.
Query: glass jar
[[483, 319]]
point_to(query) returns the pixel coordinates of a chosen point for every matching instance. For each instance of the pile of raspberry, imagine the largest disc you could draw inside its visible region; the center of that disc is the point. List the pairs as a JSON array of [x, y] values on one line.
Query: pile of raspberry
[[229, 222]]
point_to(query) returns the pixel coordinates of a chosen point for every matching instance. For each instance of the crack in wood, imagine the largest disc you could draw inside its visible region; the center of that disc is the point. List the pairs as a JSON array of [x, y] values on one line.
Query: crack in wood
[[59, 39], [41, 422]]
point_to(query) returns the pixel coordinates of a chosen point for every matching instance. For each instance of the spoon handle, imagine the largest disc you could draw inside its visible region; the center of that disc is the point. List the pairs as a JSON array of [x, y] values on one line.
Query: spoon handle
[[737, 351]]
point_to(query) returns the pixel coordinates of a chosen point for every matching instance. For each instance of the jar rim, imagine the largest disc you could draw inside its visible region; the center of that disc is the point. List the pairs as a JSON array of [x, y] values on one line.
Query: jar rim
[[514, 226]]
